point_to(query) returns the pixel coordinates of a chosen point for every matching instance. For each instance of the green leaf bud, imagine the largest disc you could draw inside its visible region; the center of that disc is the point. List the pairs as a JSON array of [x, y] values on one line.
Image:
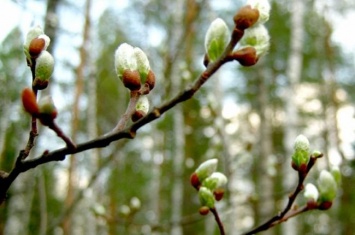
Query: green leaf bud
[[215, 180], [206, 197], [301, 155], [327, 187], [216, 39], [143, 104], [257, 37], [206, 169], [44, 69], [336, 174]]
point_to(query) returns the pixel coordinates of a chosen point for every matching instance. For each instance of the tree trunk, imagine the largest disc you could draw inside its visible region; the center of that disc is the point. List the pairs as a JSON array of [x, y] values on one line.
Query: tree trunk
[[294, 68], [79, 87]]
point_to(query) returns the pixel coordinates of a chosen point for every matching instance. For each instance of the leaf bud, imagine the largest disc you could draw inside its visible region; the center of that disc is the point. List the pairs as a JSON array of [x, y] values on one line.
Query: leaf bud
[[218, 194], [336, 174], [142, 61], [29, 102], [311, 192], [44, 70], [124, 59], [301, 155], [257, 37], [327, 187], [194, 181], [216, 39], [263, 7], [32, 34], [204, 210], [246, 17], [47, 110], [215, 180], [206, 169], [206, 197]]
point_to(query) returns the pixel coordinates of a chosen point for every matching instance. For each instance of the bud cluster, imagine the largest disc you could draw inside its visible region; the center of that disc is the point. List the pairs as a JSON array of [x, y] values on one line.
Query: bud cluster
[[209, 184], [322, 197], [35, 48], [249, 25], [133, 68]]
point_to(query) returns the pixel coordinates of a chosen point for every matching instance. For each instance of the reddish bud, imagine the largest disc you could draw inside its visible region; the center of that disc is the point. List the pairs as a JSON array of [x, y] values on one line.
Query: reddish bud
[[138, 114], [131, 79], [36, 47], [325, 205], [195, 182], [312, 204], [246, 17], [204, 210], [29, 101], [150, 79], [218, 194], [246, 56]]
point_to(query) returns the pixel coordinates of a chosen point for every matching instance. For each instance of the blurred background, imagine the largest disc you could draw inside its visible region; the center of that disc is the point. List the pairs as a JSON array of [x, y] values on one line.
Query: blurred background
[[248, 118]]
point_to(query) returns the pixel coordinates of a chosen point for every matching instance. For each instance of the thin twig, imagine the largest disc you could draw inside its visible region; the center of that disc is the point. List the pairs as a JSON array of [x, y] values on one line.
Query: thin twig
[[218, 220]]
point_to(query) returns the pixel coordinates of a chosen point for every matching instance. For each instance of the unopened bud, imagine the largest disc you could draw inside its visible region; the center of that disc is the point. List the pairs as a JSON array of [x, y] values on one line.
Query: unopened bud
[[246, 17], [44, 70], [150, 81], [257, 37], [246, 56], [206, 197], [218, 194], [327, 187], [263, 7], [216, 39], [47, 110], [311, 192], [206, 169], [204, 210], [215, 180], [143, 66], [36, 47], [29, 101], [301, 155]]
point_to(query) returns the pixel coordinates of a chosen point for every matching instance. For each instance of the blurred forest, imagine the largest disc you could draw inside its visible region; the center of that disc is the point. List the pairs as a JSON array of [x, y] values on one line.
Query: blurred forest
[[248, 118]]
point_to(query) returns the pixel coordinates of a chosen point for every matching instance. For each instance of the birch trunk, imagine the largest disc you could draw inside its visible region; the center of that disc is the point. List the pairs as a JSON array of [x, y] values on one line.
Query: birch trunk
[[79, 86], [293, 72]]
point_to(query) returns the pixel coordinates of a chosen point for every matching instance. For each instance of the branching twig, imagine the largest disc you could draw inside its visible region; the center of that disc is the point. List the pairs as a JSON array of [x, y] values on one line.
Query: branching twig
[[285, 214]]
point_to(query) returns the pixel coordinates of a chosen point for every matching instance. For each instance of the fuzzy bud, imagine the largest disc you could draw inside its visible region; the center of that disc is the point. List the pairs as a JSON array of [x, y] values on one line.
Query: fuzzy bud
[[206, 197], [32, 34], [216, 39], [301, 155], [44, 70], [257, 37], [263, 7], [29, 102], [206, 169], [311, 192], [142, 61], [215, 180], [47, 110], [124, 59], [336, 174], [327, 187], [246, 17]]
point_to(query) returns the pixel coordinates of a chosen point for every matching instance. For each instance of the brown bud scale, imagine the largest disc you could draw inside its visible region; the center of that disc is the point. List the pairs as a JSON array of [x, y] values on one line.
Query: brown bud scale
[[131, 79], [246, 17], [29, 101], [36, 47]]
